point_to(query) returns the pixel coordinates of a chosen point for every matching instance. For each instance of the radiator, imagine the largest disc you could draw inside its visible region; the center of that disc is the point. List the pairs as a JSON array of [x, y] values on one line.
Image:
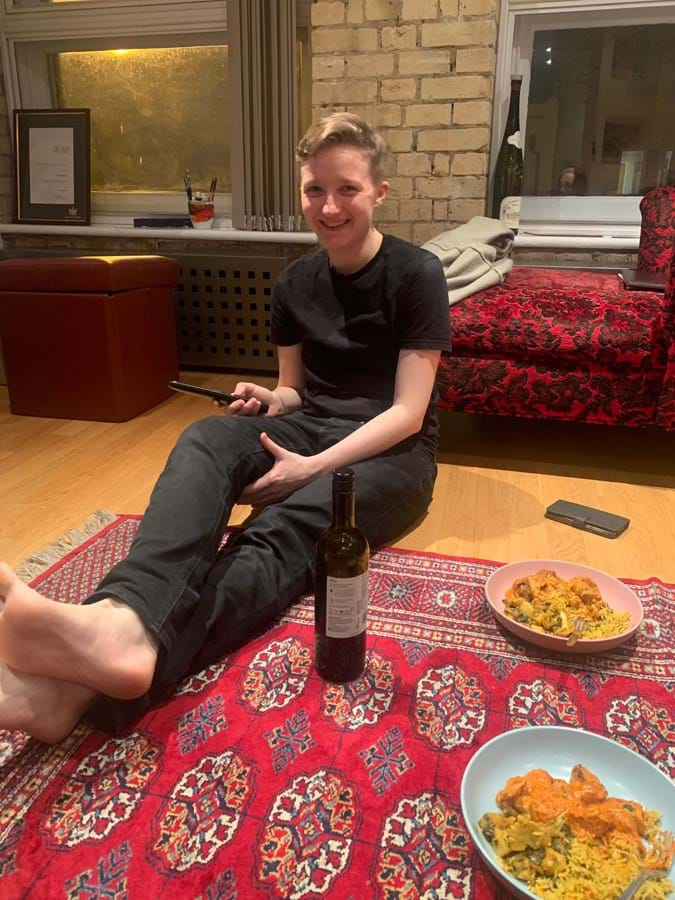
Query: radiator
[[223, 312]]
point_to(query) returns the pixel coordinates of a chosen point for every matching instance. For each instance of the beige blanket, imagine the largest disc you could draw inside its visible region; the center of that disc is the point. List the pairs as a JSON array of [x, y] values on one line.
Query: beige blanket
[[474, 256]]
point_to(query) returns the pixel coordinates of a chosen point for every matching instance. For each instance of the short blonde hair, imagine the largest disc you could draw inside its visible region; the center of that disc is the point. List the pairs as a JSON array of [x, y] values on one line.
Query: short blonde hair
[[342, 129]]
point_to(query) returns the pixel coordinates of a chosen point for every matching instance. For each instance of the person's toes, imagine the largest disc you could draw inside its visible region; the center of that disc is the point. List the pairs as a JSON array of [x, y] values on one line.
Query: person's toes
[[7, 579], [44, 708]]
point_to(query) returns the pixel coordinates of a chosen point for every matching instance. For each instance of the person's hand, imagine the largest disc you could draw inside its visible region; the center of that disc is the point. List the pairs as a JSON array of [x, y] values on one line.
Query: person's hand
[[253, 395], [289, 472]]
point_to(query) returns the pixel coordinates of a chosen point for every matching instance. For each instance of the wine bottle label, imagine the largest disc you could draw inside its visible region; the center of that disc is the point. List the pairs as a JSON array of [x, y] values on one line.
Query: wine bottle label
[[346, 606], [514, 140], [509, 212]]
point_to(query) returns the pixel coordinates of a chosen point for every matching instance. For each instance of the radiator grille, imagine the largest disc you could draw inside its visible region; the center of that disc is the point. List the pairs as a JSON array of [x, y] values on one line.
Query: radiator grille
[[223, 312]]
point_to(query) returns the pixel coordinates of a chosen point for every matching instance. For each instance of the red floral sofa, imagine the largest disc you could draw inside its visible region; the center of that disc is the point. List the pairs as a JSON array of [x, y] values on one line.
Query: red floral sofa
[[566, 344], [658, 229]]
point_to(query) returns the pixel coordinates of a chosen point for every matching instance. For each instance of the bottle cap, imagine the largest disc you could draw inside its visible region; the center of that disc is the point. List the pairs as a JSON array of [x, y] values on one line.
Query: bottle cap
[[343, 479]]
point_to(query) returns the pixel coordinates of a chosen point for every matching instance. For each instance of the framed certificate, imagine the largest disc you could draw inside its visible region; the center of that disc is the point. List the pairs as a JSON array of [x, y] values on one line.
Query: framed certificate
[[53, 177]]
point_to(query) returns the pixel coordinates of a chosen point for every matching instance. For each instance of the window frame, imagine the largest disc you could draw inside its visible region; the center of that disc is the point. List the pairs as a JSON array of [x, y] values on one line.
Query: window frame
[[519, 20], [104, 24], [24, 7]]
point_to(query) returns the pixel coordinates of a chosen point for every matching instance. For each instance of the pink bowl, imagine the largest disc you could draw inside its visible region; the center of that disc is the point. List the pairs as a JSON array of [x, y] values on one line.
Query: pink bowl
[[615, 594]]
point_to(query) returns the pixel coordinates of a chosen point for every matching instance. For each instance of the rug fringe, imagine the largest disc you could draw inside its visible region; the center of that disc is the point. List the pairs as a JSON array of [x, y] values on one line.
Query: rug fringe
[[37, 563]]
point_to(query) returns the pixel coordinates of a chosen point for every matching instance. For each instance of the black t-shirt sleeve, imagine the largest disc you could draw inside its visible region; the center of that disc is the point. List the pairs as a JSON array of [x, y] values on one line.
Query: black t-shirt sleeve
[[423, 319], [284, 330]]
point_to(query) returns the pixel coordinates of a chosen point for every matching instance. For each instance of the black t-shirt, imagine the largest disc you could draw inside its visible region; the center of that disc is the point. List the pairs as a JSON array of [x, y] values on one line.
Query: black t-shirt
[[352, 327]]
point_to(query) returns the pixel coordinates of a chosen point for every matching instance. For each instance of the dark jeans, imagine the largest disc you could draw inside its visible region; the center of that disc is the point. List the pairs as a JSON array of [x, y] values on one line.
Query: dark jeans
[[200, 607]]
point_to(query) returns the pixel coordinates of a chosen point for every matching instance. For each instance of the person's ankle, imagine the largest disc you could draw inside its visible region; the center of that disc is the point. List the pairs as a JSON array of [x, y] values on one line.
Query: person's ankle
[[132, 620]]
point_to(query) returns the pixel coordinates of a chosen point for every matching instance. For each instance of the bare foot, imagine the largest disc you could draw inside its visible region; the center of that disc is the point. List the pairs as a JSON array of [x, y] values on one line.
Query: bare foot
[[43, 707], [102, 646]]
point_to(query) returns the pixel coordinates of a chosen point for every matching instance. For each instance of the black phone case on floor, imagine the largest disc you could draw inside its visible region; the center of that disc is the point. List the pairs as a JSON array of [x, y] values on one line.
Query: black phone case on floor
[[596, 521]]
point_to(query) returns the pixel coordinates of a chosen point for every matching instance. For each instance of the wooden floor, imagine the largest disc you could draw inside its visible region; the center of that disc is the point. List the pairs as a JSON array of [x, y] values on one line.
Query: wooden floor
[[496, 476]]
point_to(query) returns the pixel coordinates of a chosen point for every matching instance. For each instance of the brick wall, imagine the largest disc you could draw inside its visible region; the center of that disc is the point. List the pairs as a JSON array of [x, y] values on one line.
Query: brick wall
[[40, 244], [422, 71], [28, 244]]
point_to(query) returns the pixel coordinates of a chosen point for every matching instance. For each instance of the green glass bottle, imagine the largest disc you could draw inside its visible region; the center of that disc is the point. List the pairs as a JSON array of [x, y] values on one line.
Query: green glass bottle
[[508, 177], [341, 589]]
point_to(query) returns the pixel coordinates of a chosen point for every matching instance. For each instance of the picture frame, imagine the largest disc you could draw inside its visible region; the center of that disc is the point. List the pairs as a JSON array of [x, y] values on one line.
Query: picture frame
[[53, 168]]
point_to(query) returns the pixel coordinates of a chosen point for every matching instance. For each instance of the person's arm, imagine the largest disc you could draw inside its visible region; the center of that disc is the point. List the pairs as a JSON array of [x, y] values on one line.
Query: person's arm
[[287, 394], [291, 381], [415, 373]]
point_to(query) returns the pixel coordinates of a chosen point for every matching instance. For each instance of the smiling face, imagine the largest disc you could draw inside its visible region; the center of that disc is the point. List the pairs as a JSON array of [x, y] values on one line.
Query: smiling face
[[339, 197]]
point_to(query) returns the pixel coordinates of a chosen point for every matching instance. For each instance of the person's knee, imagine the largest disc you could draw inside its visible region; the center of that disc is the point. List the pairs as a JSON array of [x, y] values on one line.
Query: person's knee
[[209, 432], [225, 445]]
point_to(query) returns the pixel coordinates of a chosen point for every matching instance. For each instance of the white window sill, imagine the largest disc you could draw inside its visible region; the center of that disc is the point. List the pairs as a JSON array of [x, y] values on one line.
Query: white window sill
[[216, 233], [525, 241]]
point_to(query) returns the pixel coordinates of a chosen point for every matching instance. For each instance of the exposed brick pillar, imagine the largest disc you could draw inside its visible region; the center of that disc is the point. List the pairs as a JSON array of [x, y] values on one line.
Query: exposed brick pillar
[[423, 71]]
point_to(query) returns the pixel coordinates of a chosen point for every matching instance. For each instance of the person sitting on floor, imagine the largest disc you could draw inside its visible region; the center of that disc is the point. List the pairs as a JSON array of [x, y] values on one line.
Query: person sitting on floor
[[359, 325]]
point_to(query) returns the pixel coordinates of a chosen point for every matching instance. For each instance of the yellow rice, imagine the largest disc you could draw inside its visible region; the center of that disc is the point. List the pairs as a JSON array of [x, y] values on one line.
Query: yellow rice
[[593, 868]]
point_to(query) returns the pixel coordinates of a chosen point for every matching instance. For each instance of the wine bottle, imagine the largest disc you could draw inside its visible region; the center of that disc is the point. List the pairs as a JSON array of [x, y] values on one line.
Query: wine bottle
[[341, 589], [508, 177]]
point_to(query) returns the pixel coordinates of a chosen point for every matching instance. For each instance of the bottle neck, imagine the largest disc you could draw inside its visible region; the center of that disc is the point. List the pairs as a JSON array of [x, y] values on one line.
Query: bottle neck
[[344, 509], [513, 117]]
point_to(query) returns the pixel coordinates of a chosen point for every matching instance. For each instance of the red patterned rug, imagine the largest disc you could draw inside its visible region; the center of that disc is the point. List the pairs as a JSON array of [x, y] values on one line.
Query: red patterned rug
[[257, 779]]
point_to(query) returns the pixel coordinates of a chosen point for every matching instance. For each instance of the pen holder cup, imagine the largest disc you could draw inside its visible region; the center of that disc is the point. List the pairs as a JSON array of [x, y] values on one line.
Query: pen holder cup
[[201, 213]]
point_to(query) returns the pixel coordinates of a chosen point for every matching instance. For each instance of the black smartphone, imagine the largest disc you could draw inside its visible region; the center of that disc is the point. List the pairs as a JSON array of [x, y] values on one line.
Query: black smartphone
[[587, 518], [213, 394], [634, 279]]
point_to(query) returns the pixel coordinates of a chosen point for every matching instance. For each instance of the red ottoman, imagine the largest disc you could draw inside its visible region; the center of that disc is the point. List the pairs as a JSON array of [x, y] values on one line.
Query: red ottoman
[[89, 337]]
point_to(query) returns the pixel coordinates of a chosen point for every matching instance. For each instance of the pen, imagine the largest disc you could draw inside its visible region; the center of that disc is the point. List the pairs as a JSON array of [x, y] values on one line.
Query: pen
[[188, 185], [212, 189]]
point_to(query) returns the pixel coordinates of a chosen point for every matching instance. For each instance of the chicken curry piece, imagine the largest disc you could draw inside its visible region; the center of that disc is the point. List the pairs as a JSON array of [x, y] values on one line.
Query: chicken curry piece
[[584, 802]]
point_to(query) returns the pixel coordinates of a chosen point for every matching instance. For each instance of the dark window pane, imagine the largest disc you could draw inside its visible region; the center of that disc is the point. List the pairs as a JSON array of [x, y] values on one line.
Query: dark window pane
[[599, 117]]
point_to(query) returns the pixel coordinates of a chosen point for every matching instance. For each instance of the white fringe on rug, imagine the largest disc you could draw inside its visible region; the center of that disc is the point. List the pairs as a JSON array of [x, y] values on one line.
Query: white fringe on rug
[[32, 566]]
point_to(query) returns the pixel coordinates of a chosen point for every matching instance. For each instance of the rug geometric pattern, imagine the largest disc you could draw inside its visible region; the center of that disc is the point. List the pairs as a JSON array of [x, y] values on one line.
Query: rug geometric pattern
[[257, 779]]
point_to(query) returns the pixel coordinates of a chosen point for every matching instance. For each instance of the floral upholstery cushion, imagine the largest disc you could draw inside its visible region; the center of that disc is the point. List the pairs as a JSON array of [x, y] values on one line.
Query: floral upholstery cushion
[[557, 316], [665, 414], [552, 343], [512, 388], [657, 233]]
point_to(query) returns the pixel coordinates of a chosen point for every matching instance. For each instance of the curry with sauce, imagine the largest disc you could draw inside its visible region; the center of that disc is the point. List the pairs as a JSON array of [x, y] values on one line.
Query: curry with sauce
[[570, 839]]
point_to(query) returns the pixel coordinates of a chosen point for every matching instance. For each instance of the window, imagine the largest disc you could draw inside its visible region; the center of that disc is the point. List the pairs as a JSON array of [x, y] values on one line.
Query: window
[[154, 114], [158, 93], [596, 113]]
